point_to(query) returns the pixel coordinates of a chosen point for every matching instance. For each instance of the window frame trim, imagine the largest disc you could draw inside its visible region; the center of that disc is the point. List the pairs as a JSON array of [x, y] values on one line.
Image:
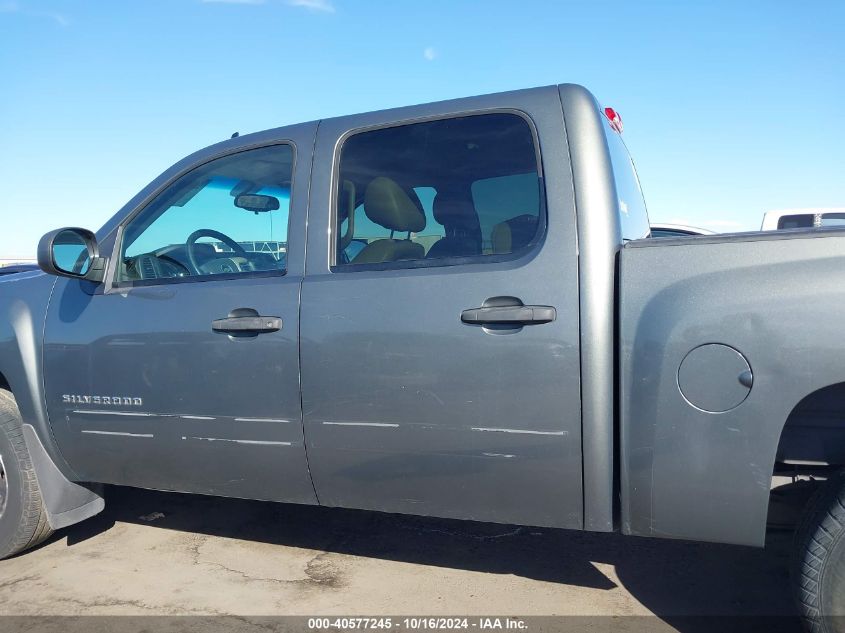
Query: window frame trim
[[121, 286], [526, 252]]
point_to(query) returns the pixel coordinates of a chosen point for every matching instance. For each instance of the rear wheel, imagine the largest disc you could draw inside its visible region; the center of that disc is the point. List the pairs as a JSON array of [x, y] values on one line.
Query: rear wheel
[[23, 518], [819, 564]]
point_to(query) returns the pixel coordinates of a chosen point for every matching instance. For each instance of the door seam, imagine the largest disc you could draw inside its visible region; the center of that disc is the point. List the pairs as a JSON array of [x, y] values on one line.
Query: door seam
[[299, 313]]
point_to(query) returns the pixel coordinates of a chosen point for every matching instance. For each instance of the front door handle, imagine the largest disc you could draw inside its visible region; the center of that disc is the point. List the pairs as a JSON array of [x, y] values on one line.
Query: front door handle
[[509, 315], [246, 322]]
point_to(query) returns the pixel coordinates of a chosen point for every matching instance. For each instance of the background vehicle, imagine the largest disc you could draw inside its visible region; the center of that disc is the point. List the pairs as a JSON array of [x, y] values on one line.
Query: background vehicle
[[11, 269], [454, 341], [803, 219], [676, 230]]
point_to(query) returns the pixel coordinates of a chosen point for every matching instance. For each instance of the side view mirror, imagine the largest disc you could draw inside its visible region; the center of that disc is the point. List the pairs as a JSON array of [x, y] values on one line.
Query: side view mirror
[[71, 252]]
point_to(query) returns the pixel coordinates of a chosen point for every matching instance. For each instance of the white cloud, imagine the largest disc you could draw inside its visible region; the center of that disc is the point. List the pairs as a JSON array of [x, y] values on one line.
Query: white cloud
[[429, 53], [58, 18], [10, 6], [313, 5]]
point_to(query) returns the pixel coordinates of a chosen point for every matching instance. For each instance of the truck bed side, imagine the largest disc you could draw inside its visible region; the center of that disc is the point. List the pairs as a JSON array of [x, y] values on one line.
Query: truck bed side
[[720, 338]]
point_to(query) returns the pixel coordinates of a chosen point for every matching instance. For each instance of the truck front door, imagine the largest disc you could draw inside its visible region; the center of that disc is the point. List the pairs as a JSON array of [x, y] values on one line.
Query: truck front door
[[181, 372], [440, 340]]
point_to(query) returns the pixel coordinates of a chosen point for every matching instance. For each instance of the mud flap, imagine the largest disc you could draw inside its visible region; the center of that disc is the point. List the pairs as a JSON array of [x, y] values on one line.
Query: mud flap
[[66, 502]]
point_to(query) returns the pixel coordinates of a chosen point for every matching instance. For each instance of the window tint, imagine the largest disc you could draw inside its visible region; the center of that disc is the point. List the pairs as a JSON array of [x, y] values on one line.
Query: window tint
[[229, 216], [497, 199], [462, 187], [632, 210]]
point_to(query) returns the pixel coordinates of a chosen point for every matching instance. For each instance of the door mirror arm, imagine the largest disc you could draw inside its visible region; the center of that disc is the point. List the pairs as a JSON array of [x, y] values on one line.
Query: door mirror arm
[[97, 271]]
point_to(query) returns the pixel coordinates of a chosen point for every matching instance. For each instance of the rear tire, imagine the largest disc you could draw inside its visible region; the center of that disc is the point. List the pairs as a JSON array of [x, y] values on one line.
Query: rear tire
[[818, 574], [23, 517]]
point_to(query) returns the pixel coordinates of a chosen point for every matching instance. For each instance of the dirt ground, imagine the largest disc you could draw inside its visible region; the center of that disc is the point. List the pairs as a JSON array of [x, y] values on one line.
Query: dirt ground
[[171, 554]]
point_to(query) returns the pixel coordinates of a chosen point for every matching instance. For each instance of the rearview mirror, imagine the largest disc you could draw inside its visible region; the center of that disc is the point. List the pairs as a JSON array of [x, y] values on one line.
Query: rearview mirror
[[71, 252], [256, 202]]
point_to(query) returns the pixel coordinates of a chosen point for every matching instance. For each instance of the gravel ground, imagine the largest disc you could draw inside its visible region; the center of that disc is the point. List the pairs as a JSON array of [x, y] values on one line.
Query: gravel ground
[[170, 554]]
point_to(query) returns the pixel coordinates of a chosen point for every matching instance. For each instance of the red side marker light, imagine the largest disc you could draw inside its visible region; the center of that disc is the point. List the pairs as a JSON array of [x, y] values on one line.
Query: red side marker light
[[614, 118]]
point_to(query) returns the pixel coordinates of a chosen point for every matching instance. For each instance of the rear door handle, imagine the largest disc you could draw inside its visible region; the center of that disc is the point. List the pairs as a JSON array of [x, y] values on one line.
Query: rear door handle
[[246, 321], [510, 315]]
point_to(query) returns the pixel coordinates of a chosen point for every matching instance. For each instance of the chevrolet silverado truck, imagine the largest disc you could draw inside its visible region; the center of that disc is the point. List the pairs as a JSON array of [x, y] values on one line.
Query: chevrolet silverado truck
[[451, 309]]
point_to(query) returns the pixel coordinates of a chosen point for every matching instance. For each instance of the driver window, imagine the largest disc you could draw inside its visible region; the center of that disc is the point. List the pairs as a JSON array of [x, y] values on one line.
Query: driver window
[[227, 217]]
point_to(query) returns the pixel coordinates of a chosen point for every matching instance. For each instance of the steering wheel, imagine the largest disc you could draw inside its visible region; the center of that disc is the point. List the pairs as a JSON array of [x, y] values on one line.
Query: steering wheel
[[191, 242]]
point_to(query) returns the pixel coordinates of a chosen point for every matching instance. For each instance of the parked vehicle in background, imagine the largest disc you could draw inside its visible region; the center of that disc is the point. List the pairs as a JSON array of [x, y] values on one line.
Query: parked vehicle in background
[[10, 269], [659, 229], [478, 328], [803, 218]]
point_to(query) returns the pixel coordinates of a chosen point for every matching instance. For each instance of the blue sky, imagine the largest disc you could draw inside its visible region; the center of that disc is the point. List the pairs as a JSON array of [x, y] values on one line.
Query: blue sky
[[730, 108]]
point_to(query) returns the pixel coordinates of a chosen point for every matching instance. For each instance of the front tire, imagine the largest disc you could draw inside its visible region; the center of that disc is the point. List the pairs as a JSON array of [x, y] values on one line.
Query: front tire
[[23, 517], [818, 574]]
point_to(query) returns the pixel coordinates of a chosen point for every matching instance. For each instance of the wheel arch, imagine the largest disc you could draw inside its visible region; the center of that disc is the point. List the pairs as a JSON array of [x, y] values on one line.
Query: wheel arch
[[23, 308], [66, 502], [813, 433]]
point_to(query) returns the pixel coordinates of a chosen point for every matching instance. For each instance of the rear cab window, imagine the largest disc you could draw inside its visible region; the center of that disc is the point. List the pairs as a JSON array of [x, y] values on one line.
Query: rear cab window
[[832, 219], [633, 216]]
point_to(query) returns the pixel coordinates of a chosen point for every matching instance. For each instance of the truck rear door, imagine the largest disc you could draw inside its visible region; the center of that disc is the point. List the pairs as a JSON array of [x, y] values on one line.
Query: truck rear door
[[439, 323]]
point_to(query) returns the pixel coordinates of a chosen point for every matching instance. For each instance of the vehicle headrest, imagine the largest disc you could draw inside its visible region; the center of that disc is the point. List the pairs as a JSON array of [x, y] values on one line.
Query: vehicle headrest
[[386, 204], [513, 234], [452, 210]]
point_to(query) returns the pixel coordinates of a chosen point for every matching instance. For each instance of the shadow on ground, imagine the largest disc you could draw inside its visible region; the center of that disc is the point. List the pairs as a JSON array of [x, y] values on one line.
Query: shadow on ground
[[691, 586]]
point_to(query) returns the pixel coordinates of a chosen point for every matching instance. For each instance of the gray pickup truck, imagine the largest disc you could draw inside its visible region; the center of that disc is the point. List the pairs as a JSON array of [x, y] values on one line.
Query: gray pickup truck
[[450, 309]]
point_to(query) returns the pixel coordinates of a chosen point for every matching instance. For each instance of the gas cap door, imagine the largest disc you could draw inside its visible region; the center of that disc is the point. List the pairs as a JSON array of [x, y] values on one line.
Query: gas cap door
[[715, 378]]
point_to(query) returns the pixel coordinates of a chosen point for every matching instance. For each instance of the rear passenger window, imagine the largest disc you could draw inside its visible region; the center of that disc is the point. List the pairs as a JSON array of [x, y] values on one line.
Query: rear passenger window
[[436, 192]]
